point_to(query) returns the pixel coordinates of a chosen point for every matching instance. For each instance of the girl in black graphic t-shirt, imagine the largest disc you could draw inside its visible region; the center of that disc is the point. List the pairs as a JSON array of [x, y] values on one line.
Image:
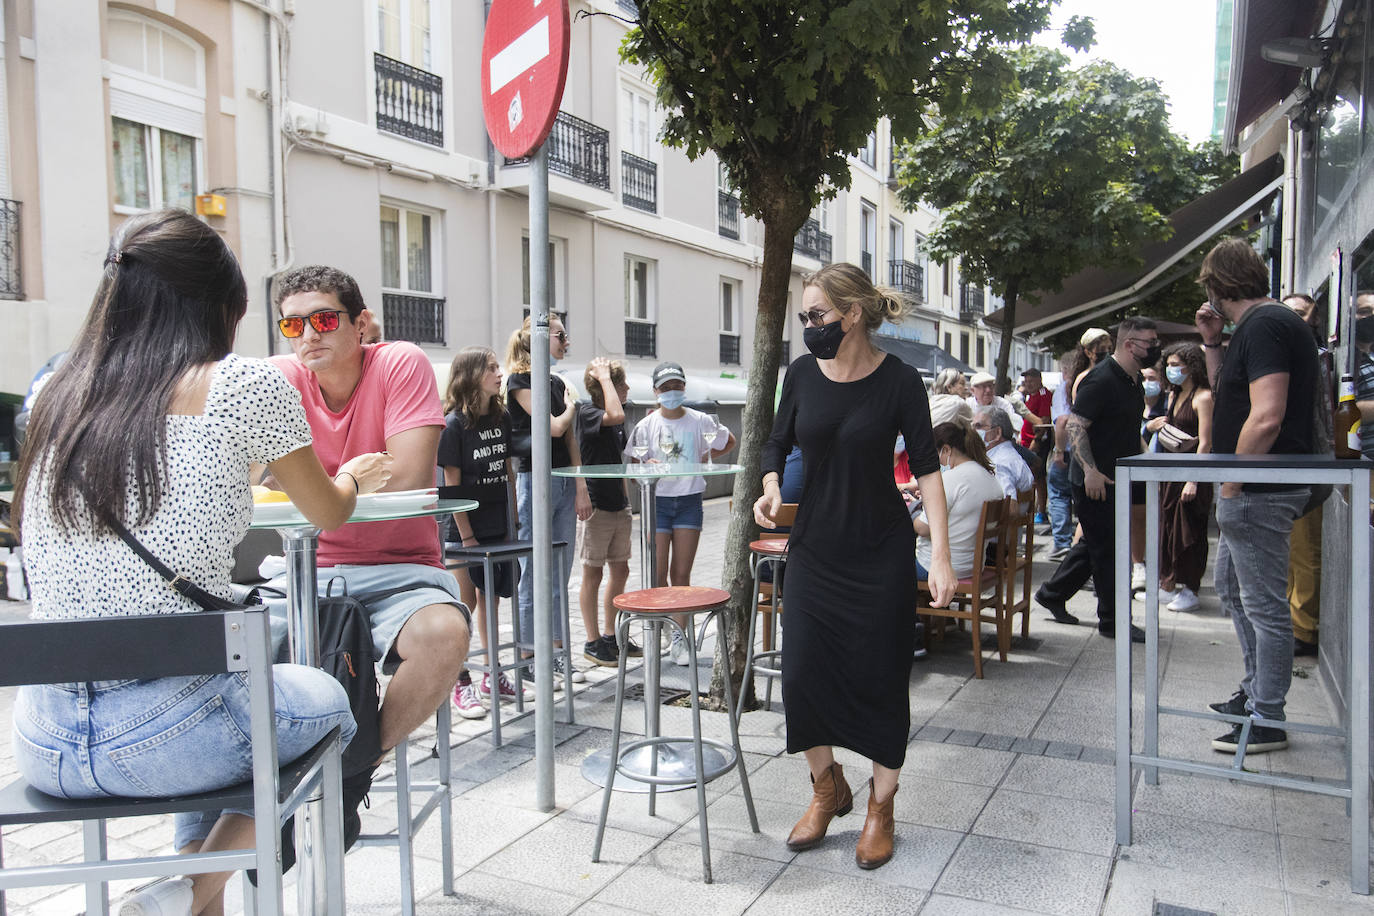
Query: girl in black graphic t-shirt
[[473, 452]]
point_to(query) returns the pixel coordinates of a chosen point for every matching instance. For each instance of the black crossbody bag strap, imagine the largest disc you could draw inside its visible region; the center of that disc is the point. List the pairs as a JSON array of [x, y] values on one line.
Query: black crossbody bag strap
[[183, 586]]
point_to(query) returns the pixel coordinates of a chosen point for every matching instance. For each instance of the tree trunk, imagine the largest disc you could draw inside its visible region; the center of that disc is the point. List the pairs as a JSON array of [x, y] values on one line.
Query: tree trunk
[[1008, 329], [778, 238]]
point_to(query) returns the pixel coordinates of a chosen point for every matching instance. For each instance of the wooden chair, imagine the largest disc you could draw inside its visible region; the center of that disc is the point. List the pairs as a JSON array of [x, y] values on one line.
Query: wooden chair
[[764, 603], [209, 642], [1016, 545], [977, 598]]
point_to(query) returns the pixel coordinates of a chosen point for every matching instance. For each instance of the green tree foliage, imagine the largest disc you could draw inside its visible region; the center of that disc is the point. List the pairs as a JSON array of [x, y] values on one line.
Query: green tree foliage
[[782, 91], [1071, 168]]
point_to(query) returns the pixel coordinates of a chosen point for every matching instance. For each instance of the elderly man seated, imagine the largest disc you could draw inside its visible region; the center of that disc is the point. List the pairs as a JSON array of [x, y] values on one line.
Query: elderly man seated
[[994, 425]]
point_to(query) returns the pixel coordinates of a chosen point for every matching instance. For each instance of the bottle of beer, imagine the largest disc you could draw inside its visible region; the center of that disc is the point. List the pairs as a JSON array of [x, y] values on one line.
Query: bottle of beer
[[1346, 428]]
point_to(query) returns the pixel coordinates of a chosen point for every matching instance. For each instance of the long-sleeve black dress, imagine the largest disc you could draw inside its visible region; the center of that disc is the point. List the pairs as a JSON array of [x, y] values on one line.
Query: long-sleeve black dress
[[851, 582]]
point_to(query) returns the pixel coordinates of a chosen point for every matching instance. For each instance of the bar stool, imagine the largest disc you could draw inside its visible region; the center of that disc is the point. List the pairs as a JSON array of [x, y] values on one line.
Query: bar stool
[[408, 824], [767, 664], [487, 556], [657, 605]]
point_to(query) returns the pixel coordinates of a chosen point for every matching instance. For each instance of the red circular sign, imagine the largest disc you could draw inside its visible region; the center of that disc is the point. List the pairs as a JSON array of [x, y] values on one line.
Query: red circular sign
[[524, 67]]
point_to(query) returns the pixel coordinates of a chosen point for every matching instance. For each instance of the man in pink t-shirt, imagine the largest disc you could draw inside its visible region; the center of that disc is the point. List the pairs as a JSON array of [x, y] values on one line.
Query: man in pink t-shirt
[[370, 398]]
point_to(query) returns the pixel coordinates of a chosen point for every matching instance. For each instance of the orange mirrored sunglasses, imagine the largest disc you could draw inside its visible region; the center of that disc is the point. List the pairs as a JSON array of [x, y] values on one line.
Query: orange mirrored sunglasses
[[324, 321]]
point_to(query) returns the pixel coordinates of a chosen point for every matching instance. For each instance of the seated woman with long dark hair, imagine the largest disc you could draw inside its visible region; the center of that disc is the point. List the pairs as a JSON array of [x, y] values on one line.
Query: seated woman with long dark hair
[[969, 482], [153, 424]]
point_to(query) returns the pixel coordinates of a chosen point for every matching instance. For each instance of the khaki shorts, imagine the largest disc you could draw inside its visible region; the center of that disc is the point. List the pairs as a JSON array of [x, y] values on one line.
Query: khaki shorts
[[605, 537]]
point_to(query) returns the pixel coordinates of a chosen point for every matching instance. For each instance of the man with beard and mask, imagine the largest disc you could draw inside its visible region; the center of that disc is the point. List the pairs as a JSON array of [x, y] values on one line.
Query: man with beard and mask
[[1103, 427], [1264, 405]]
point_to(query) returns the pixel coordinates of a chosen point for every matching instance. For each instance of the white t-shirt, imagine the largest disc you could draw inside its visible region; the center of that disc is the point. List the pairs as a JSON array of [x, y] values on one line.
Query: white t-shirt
[[967, 487], [1012, 471], [1059, 406], [685, 440], [252, 414]]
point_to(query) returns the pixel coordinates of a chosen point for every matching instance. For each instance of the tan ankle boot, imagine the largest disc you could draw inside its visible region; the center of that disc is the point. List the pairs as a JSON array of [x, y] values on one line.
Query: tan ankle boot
[[830, 798], [875, 842]]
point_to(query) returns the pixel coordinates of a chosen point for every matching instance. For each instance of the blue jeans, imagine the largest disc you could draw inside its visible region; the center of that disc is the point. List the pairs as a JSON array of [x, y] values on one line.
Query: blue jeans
[[1061, 504], [563, 497], [1252, 583], [165, 737]]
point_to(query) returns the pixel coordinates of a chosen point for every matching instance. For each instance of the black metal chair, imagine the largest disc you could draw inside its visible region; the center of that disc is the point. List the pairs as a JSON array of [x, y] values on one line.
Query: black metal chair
[[209, 642]]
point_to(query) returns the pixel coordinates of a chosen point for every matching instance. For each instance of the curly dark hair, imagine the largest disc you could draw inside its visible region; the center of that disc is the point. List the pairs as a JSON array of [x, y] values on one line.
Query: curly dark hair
[[317, 278]]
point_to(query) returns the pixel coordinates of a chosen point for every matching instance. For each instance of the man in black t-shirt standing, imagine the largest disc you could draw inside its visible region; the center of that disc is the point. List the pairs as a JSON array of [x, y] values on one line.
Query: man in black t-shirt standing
[[1264, 389], [606, 533], [1103, 427]]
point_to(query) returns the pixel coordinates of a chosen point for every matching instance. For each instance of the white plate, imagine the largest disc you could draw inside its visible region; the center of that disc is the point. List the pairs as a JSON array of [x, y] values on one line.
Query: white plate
[[398, 501]]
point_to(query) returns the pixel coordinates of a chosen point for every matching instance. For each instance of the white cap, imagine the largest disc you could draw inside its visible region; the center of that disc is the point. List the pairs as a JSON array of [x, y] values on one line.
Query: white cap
[[980, 378]]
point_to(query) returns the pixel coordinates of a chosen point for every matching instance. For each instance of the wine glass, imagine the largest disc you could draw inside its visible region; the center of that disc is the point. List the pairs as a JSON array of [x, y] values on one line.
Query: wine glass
[[639, 445], [668, 446], [711, 444]]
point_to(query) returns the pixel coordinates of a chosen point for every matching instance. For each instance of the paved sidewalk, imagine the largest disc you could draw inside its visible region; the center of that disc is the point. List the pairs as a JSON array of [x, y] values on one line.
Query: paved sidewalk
[[1005, 803]]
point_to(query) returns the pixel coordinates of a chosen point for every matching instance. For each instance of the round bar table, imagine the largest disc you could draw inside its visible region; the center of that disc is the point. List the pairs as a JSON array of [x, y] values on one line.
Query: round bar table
[[596, 768], [300, 542]]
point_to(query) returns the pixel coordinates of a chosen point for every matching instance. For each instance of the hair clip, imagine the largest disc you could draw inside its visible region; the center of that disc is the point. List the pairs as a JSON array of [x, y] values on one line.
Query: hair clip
[[114, 257]]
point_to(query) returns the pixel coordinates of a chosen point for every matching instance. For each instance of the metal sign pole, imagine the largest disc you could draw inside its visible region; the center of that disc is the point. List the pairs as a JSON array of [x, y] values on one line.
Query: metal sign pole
[[541, 478]]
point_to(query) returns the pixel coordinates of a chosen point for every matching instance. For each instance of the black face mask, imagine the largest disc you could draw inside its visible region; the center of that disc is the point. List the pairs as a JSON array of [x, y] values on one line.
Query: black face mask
[[1364, 330], [824, 341], [1152, 355]]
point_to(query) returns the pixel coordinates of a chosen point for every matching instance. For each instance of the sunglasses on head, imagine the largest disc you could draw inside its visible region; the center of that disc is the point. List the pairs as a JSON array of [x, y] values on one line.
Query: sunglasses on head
[[323, 321]]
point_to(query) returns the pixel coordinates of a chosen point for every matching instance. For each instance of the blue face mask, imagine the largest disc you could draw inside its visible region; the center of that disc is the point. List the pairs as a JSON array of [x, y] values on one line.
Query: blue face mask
[[1152, 388], [672, 399], [900, 445], [1176, 374]]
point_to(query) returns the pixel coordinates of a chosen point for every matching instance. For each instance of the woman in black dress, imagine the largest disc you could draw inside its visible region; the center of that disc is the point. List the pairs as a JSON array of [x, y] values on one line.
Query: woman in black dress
[[851, 583]]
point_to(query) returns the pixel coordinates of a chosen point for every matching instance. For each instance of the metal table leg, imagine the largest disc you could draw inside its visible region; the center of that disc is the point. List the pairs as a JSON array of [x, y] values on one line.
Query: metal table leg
[[302, 627], [1123, 656]]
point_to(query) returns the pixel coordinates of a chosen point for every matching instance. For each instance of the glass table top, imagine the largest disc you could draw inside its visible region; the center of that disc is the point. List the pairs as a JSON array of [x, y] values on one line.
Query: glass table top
[[285, 515], [647, 470]]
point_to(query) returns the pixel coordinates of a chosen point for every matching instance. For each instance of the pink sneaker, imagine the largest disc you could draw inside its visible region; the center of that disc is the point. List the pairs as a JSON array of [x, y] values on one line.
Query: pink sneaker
[[466, 702], [506, 688]]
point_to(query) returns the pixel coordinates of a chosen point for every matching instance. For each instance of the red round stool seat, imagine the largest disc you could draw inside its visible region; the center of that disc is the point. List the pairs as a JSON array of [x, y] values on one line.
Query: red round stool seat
[[671, 599], [769, 547]]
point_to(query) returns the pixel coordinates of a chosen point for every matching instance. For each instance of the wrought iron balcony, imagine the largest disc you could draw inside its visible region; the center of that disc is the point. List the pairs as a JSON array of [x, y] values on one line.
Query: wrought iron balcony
[[638, 182], [813, 243], [641, 338], [729, 349], [418, 319], [970, 302], [578, 149], [727, 214], [11, 280], [908, 277], [410, 101]]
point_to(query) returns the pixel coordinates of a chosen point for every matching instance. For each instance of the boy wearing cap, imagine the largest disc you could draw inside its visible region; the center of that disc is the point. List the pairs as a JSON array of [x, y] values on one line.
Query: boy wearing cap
[[676, 434]]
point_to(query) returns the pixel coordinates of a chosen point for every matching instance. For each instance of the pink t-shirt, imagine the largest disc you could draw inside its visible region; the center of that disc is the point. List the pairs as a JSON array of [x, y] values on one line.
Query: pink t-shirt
[[397, 392]]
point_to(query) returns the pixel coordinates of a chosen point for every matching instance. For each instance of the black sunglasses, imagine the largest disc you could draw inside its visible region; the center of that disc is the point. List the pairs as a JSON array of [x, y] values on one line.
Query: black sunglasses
[[324, 321]]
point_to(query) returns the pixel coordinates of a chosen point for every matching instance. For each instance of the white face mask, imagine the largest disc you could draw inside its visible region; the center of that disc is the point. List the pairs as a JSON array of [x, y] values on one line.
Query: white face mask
[[945, 468], [984, 434]]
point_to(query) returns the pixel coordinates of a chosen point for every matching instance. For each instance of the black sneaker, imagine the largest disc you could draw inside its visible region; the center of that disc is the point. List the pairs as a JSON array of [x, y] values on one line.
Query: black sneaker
[[631, 649], [1232, 707], [602, 651], [1263, 739], [1057, 608], [1109, 630], [1302, 647]]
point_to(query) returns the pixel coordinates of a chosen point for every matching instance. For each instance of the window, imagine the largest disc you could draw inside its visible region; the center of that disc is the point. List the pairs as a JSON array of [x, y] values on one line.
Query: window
[[403, 32], [729, 306], [963, 346], [558, 289], [868, 153], [637, 125], [946, 274], [868, 237], [412, 308], [639, 289], [894, 241], [157, 108], [981, 353], [949, 343]]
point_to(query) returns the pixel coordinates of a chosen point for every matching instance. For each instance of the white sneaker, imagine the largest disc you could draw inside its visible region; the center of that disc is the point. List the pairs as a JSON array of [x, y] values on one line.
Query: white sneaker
[[1186, 600], [678, 651], [165, 897], [1137, 577], [577, 676], [465, 700]]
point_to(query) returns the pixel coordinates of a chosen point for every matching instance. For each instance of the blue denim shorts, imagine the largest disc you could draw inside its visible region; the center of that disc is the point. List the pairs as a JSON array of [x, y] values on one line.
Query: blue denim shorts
[[677, 512], [166, 737]]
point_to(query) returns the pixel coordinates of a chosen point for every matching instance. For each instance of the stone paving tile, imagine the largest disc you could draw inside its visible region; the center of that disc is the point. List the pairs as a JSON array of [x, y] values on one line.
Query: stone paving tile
[[1136, 888], [800, 889], [1041, 878], [945, 905], [668, 881], [1077, 825]]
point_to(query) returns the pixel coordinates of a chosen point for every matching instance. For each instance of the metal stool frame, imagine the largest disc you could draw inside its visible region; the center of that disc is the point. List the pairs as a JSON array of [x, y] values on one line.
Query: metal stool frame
[[700, 778], [771, 669]]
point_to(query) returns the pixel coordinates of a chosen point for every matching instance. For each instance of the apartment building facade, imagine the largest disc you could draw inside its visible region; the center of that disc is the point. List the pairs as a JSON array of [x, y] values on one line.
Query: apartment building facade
[[350, 133]]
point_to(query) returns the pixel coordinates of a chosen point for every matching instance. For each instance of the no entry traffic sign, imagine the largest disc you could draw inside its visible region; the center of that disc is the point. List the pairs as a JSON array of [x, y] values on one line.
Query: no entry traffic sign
[[524, 67]]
